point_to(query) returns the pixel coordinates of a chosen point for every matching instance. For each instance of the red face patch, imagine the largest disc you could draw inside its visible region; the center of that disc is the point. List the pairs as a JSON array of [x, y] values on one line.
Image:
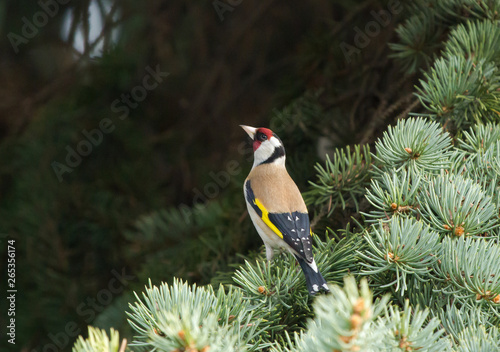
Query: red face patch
[[261, 135], [256, 145]]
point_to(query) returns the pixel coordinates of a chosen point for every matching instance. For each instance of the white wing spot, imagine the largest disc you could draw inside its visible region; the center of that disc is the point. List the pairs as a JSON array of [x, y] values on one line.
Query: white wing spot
[[301, 250], [315, 287], [302, 229], [325, 286], [293, 230], [296, 218], [289, 218]]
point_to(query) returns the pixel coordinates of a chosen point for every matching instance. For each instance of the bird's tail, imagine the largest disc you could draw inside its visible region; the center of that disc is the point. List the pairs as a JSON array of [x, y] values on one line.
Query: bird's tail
[[314, 280]]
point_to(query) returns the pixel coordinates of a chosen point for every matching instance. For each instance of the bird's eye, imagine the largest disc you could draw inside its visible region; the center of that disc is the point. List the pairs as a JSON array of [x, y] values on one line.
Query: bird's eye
[[261, 136]]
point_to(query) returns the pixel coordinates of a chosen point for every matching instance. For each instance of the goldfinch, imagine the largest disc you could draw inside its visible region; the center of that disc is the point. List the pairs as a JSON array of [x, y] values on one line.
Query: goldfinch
[[276, 206]]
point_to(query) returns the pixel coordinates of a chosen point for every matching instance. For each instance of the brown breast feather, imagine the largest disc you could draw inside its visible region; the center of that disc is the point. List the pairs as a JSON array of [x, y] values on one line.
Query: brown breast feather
[[275, 189]]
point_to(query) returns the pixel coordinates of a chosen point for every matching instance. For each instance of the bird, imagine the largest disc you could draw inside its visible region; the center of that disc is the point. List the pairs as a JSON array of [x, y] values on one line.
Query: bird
[[277, 208]]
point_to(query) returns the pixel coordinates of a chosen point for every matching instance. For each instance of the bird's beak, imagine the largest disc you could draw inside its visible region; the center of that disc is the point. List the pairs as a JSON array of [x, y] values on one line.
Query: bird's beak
[[249, 130]]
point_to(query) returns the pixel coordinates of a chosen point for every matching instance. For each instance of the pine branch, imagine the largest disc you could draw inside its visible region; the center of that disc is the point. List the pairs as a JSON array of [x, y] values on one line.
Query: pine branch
[[342, 181], [425, 295], [349, 320], [461, 91], [394, 195], [477, 40], [419, 39], [478, 157], [479, 139], [404, 247], [464, 10], [455, 320], [478, 340], [414, 330], [183, 316], [98, 340], [277, 290], [456, 206], [344, 320], [421, 35], [470, 269], [413, 144]]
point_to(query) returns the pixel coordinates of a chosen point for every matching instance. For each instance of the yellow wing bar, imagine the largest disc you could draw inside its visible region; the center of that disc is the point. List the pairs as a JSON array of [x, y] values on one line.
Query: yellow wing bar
[[265, 218]]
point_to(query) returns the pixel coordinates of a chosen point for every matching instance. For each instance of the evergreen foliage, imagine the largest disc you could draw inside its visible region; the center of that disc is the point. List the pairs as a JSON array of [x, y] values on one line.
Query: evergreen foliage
[[456, 206], [404, 249], [98, 340], [394, 194], [343, 320], [351, 170], [183, 317], [413, 144], [473, 95], [469, 269]]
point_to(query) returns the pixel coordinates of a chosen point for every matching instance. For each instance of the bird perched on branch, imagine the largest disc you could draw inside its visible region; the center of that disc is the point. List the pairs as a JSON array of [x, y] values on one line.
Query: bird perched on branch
[[276, 206]]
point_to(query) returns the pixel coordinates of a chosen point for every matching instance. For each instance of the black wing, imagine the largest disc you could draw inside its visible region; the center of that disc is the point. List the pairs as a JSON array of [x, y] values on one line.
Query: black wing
[[296, 231]]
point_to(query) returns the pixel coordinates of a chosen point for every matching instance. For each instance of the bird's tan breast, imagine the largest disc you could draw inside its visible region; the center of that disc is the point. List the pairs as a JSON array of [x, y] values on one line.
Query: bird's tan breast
[[275, 189]]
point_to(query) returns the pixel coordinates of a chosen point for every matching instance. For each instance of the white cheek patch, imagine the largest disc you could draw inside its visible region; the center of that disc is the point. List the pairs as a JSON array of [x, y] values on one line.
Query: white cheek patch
[[264, 151], [275, 142]]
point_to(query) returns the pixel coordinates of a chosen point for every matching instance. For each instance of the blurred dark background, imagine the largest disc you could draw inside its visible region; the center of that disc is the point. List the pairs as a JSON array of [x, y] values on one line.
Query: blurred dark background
[[120, 146]]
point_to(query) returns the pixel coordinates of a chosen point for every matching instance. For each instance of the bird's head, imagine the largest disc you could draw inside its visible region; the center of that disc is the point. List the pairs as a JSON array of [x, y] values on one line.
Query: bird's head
[[267, 146]]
